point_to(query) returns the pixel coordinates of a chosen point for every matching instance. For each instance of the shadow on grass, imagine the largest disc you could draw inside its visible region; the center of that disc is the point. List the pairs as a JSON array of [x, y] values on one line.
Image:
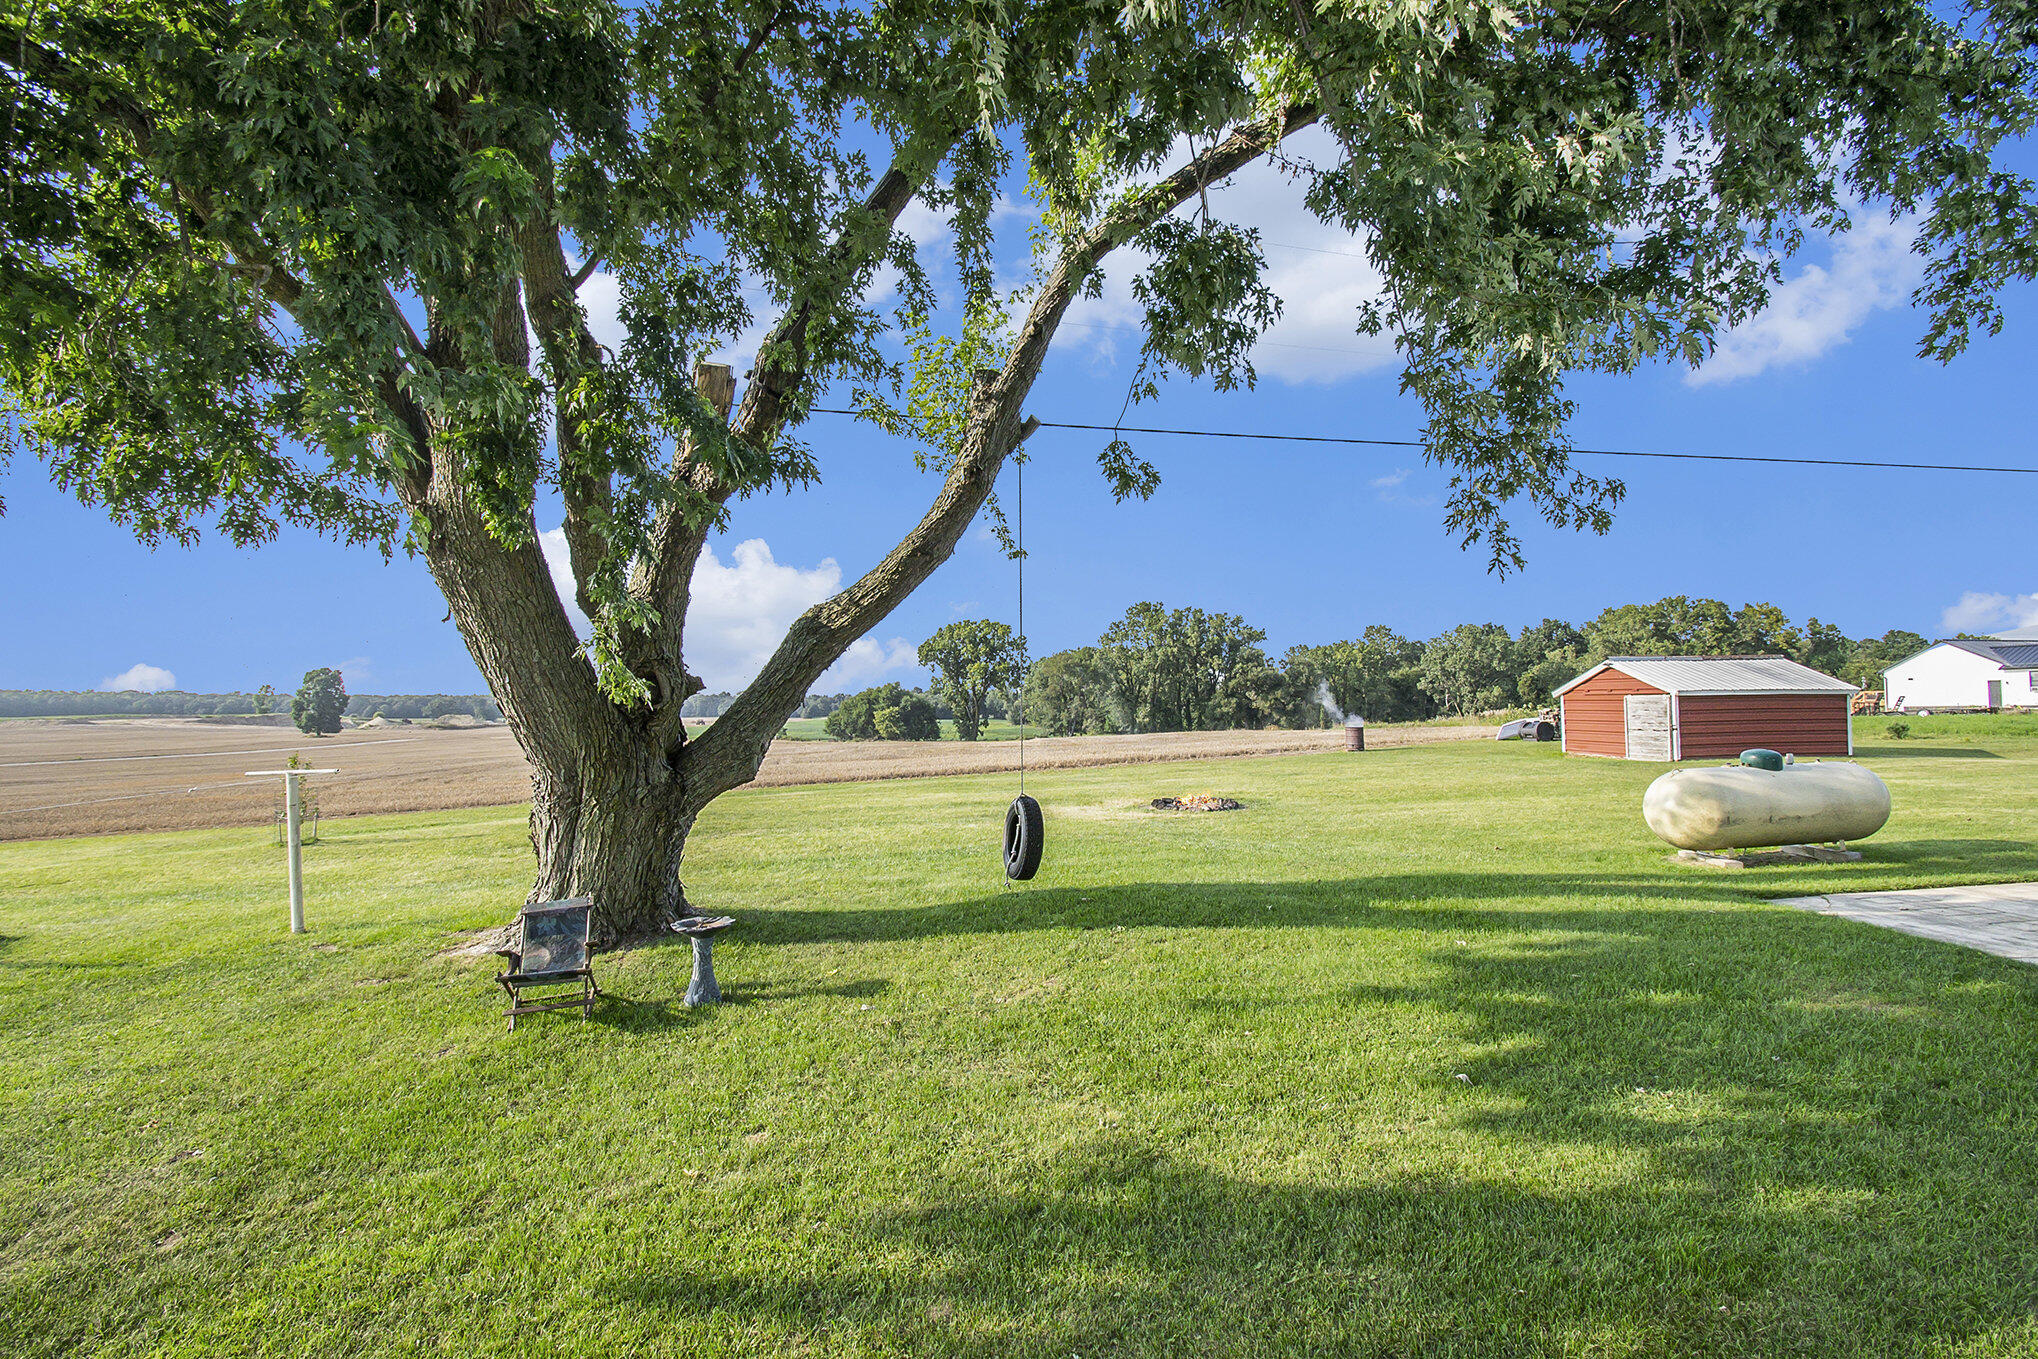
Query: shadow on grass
[[1417, 900], [854, 990], [1684, 1130], [1997, 859], [632, 1015], [635, 1015], [1119, 1249]]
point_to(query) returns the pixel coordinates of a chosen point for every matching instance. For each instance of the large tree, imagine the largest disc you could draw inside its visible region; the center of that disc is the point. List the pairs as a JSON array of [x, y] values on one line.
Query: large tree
[[319, 703], [1069, 694], [320, 263], [1374, 675], [972, 659]]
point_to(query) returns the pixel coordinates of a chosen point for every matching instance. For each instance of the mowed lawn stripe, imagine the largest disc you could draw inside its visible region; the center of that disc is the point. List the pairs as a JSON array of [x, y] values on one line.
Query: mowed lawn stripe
[[1426, 1050]]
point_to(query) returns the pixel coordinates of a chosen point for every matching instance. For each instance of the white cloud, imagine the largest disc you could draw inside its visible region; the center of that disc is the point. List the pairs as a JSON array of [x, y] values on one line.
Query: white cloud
[[356, 671], [1871, 269], [149, 679], [552, 542], [602, 297], [742, 608], [740, 611], [1392, 479], [923, 225], [1320, 272], [867, 661], [1979, 611]]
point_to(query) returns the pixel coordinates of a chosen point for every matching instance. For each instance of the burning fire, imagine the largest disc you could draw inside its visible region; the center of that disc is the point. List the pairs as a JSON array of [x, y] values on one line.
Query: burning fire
[[1197, 802]]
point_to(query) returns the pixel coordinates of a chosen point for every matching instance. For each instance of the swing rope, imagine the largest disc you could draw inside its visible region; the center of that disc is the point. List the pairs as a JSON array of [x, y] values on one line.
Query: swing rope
[[1024, 830], [1019, 546]]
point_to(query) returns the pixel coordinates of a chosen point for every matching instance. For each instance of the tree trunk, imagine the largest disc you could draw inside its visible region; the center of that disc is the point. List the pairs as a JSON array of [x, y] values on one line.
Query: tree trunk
[[609, 806], [614, 830]]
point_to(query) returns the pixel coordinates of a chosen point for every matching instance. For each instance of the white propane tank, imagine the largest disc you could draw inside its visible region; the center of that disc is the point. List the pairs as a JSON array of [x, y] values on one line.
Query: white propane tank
[[1738, 807]]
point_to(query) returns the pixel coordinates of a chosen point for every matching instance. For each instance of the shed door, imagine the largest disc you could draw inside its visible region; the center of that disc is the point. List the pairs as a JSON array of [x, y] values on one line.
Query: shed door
[[1648, 726], [1995, 694]]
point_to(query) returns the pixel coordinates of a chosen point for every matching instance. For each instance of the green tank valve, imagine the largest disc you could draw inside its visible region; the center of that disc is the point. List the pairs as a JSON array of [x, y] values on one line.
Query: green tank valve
[[1761, 758]]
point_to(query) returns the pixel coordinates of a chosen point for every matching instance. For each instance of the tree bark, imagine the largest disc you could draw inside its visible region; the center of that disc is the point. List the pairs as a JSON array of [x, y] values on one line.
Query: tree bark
[[614, 830]]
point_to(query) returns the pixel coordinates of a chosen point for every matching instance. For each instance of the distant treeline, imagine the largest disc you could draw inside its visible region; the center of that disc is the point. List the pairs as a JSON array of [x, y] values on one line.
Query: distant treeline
[[1161, 669], [824, 705], [401, 707], [178, 703], [1186, 670]]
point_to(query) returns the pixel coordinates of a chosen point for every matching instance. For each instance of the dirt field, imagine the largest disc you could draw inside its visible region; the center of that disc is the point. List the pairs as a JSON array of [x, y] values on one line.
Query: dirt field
[[92, 777]]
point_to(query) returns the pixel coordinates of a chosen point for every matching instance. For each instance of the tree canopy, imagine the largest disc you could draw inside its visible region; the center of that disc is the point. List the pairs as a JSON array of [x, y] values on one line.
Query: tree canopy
[[884, 713], [272, 261]]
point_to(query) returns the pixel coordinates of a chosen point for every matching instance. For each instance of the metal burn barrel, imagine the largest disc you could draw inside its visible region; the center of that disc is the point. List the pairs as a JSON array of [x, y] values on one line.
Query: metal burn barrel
[[1355, 733]]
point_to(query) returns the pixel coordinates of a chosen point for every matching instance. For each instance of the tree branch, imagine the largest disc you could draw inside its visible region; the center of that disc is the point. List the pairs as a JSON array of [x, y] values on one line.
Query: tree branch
[[569, 347], [412, 343], [862, 239], [729, 752], [662, 580]]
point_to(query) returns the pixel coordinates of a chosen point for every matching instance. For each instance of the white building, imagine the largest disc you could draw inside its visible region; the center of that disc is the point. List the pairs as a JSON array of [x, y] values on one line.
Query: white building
[[1995, 672]]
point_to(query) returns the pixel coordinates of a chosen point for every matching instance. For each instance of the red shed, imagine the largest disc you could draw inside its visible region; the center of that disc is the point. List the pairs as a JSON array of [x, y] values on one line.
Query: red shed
[[1701, 707]]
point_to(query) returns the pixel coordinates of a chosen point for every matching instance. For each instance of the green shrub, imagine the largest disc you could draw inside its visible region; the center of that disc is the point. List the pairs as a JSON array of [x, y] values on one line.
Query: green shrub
[[1898, 730], [886, 713], [910, 719], [855, 719]]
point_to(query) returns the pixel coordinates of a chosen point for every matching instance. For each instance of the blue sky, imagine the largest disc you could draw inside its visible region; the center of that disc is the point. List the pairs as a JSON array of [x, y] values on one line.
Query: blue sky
[[1311, 543]]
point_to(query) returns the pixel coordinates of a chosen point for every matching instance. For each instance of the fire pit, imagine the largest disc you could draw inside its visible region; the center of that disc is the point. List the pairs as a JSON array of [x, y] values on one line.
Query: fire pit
[[1197, 802]]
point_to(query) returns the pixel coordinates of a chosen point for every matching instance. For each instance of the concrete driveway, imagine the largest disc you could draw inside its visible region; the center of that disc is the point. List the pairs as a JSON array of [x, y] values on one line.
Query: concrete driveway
[[1999, 918]]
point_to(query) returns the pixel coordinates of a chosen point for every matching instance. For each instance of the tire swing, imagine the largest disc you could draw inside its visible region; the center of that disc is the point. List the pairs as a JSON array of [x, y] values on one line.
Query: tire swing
[[1023, 835], [1025, 831]]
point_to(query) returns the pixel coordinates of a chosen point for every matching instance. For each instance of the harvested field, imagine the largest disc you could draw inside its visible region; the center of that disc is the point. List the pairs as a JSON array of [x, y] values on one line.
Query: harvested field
[[97, 776]]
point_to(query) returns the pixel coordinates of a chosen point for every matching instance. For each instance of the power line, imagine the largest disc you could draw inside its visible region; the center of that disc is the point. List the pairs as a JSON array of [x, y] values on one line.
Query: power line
[[1589, 452], [1585, 452]]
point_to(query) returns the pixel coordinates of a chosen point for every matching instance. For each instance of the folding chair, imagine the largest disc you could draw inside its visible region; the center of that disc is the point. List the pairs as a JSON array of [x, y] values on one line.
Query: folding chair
[[551, 951]]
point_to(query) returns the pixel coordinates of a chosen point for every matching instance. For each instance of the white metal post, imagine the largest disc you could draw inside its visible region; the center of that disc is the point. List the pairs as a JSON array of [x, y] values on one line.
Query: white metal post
[[291, 818], [290, 803]]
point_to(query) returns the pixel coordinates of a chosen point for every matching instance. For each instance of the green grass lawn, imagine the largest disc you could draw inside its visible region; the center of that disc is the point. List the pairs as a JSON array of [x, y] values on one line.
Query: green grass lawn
[[1941, 727], [1427, 1051]]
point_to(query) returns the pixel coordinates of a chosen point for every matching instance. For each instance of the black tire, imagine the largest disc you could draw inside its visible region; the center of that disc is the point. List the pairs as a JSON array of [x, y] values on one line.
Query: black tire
[[1024, 835]]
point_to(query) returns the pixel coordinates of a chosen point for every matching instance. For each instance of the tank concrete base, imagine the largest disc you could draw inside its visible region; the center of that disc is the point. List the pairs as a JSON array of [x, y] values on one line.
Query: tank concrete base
[[1764, 858]]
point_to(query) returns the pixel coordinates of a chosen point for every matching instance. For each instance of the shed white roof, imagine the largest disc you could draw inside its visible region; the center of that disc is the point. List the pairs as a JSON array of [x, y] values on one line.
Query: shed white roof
[[1719, 675]]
